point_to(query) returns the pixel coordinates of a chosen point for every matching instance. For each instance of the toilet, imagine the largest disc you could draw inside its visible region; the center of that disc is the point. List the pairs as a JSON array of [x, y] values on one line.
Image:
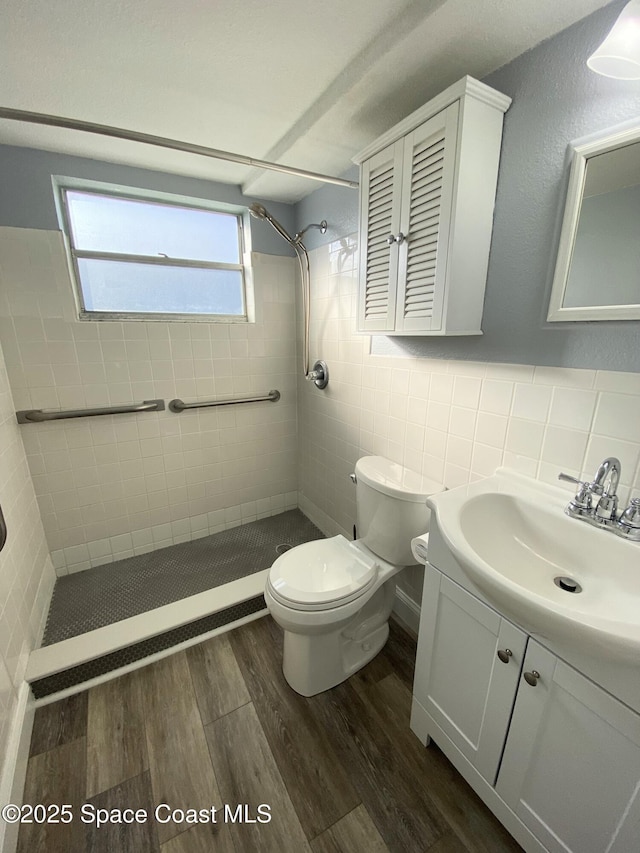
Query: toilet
[[333, 597]]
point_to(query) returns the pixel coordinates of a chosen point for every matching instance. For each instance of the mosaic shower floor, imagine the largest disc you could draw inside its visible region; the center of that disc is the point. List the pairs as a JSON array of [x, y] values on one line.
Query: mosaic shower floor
[[106, 594]]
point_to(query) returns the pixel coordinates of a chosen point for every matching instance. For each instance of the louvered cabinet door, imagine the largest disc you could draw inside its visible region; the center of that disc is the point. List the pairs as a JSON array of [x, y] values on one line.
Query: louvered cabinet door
[[381, 184], [425, 221]]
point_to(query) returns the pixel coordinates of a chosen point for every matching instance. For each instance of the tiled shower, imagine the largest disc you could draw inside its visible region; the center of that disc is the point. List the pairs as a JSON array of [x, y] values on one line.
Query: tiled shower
[[112, 487]]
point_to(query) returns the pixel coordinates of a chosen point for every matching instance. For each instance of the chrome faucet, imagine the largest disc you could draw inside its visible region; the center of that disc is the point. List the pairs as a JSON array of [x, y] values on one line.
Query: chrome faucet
[[597, 502]]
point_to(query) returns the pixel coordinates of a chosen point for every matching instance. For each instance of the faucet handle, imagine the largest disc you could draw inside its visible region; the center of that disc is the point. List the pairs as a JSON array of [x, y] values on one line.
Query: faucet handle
[[569, 479], [630, 518], [582, 503]]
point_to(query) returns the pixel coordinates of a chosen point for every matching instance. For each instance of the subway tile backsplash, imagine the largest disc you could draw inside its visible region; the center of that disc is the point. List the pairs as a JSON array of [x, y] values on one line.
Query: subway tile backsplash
[[114, 486]]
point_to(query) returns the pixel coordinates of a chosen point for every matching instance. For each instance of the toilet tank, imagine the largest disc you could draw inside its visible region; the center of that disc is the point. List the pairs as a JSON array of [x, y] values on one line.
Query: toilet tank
[[391, 507]]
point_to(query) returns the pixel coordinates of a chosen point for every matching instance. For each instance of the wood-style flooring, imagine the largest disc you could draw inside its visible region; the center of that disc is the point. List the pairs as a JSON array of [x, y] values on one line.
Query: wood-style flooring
[[217, 724]]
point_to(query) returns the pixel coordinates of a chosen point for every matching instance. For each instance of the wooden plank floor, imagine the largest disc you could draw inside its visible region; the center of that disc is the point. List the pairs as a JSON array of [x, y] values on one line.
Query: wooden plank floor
[[217, 724]]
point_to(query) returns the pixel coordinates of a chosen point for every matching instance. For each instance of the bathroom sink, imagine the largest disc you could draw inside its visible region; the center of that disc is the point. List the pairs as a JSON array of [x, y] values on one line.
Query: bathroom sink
[[555, 576]]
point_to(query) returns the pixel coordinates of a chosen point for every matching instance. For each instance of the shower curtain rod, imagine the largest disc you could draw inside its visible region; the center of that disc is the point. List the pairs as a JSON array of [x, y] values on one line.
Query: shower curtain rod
[[163, 142]]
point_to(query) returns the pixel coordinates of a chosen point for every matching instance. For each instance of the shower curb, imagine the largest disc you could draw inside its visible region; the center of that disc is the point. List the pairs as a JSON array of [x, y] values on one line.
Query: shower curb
[[105, 664]]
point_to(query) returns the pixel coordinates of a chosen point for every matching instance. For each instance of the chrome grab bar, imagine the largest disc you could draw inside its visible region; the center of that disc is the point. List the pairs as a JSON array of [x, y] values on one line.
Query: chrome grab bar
[[34, 416], [178, 406]]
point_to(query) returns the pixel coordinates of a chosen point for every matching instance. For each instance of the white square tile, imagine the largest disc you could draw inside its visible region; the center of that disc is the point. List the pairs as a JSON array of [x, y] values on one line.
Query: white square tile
[[491, 429], [496, 396], [564, 447], [459, 451], [466, 391], [524, 438], [485, 459], [531, 402], [414, 437], [623, 383], [441, 388], [618, 416], [438, 415], [572, 407], [462, 422], [416, 410]]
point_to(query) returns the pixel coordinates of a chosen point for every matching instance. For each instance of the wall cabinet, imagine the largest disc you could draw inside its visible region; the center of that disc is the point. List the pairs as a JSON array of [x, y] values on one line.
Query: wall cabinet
[[556, 757], [427, 192]]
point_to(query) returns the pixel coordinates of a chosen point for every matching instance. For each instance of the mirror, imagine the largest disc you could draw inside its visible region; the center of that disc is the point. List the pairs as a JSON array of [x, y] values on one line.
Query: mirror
[[597, 273]]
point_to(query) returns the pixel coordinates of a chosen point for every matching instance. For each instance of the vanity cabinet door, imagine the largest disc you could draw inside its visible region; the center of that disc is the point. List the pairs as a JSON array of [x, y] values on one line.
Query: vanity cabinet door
[[571, 765], [460, 680]]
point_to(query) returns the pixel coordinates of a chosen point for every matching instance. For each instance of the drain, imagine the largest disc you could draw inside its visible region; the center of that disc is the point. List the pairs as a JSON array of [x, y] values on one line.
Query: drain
[[567, 584], [283, 548]]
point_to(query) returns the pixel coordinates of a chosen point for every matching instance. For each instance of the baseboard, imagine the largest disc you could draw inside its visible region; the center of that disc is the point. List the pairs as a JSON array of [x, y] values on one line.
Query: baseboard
[[407, 611], [14, 770]]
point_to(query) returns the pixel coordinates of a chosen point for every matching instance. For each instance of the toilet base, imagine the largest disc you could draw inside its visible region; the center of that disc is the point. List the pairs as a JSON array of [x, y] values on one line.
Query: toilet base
[[314, 663]]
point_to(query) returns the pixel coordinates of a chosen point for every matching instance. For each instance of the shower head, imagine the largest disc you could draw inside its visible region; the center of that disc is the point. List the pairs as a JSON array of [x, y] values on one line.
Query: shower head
[[259, 211]]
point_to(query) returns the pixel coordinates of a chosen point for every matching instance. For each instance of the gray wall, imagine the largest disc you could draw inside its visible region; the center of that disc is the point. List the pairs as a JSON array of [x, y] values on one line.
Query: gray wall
[[555, 99], [338, 205], [26, 200]]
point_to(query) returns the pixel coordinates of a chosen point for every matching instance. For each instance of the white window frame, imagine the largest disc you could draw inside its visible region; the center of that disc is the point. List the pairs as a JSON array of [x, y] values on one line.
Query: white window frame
[[61, 184]]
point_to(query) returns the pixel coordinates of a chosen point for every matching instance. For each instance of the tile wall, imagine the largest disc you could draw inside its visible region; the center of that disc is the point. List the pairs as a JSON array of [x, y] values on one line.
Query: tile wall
[[454, 421], [114, 486], [26, 573]]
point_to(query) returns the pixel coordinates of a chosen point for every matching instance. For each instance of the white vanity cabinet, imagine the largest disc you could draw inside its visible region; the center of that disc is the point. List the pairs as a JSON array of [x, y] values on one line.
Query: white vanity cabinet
[[571, 765], [427, 193], [464, 685], [555, 756]]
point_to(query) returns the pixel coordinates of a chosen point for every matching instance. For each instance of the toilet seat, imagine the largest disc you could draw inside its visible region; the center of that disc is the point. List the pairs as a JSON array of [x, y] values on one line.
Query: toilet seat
[[322, 574]]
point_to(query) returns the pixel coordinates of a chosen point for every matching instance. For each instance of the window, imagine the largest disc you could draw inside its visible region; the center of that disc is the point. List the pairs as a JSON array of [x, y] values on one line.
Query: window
[[136, 256]]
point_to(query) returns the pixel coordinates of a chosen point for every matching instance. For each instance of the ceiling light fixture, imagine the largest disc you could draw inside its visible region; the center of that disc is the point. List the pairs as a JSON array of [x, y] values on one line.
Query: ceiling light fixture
[[619, 54]]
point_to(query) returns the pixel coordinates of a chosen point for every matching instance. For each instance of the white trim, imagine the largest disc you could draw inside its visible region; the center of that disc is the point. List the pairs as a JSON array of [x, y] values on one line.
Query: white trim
[[466, 86], [407, 610], [582, 149], [62, 184], [14, 769]]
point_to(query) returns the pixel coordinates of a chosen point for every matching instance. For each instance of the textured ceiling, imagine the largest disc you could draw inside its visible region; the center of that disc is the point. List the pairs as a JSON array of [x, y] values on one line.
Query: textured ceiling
[[307, 84]]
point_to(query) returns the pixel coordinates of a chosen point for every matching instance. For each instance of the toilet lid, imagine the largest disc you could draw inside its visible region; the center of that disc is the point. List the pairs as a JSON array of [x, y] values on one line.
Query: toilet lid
[[322, 571]]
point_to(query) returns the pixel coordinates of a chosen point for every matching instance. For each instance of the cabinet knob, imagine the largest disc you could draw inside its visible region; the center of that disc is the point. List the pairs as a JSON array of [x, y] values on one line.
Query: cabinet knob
[[504, 655], [395, 238], [532, 677]]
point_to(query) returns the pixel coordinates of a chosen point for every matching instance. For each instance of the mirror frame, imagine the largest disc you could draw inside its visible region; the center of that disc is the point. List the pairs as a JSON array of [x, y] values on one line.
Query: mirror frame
[[583, 149]]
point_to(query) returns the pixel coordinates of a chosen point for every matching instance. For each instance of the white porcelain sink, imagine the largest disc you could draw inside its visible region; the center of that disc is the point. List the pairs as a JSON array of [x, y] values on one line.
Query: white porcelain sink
[[511, 537]]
